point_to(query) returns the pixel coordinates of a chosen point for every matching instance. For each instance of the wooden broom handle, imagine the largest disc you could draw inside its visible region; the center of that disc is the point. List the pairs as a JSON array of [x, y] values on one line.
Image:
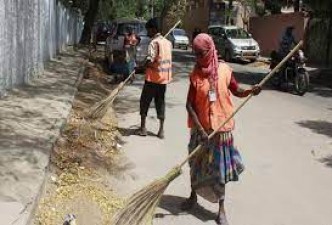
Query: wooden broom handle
[[177, 24], [196, 150]]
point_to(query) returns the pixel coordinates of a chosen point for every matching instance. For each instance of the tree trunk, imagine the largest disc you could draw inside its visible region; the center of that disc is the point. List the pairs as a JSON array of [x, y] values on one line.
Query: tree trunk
[[89, 19], [164, 13], [296, 5], [140, 8], [230, 15], [328, 44]]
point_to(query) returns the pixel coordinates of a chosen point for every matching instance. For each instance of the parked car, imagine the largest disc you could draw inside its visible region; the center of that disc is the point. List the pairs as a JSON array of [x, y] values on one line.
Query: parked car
[[101, 31], [114, 43], [234, 43], [179, 38]]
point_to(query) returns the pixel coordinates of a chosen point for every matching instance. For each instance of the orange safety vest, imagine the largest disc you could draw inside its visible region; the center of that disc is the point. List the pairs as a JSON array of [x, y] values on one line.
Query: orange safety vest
[[160, 70], [212, 114]]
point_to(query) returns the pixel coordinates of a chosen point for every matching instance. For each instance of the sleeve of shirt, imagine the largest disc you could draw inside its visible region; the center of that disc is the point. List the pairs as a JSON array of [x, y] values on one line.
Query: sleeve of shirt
[[191, 94], [233, 85], [152, 51]]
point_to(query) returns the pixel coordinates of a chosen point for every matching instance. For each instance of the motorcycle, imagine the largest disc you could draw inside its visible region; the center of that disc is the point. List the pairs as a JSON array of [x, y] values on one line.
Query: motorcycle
[[293, 72]]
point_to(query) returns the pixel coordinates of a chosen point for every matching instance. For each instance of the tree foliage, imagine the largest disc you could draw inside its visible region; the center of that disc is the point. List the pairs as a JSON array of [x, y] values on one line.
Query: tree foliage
[[321, 8], [173, 11], [104, 10]]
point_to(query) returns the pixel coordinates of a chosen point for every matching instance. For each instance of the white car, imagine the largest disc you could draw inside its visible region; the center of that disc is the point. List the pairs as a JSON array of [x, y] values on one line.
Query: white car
[[179, 38], [234, 43]]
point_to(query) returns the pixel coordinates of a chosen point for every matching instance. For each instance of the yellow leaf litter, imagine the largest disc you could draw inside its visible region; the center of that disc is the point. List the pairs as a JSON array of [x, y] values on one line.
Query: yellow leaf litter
[[85, 150], [78, 194]]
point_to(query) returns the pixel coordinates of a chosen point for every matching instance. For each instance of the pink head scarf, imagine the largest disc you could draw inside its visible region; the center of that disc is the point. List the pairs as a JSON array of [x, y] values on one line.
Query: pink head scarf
[[207, 57]]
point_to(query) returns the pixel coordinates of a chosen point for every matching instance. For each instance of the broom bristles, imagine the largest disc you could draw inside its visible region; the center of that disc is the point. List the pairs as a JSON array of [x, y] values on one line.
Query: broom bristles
[[140, 207], [99, 109]]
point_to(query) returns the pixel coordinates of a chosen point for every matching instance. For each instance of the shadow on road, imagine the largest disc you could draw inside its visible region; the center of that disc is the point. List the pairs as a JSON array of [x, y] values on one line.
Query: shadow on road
[[130, 103], [23, 115], [172, 205], [248, 77], [318, 126], [324, 78], [133, 131], [183, 56], [327, 161], [321, 91]]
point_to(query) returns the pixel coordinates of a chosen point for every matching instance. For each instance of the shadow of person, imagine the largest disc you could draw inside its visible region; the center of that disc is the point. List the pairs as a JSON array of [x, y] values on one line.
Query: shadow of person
[[172, 204], [318, 126], [133, 131], [327, 161]]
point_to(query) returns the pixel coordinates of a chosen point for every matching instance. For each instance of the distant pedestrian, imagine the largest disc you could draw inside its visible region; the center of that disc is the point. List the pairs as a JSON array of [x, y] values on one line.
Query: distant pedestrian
[[209, 103], [157, 75], [131, 40]]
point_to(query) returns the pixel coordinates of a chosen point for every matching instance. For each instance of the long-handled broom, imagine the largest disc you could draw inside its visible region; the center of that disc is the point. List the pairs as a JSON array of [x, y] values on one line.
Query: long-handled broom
[[140, 207], [99, 109]]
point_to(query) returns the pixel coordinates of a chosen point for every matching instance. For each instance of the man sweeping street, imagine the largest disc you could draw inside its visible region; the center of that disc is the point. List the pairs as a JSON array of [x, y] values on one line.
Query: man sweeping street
[[158, 74]]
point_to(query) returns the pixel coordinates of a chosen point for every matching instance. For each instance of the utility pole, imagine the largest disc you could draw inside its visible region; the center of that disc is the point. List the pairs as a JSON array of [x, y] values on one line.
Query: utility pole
[[152, 8]]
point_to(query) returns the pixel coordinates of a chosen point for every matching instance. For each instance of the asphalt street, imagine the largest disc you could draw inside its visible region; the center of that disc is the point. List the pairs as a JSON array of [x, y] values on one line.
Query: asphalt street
[[285, 141]]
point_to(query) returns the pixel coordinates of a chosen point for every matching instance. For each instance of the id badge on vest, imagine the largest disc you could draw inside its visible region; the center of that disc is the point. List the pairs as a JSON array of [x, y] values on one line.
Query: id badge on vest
[[212, 95]]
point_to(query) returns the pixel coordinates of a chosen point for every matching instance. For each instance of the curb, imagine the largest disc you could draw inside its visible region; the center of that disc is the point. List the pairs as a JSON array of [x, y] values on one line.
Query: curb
[[62, 123]]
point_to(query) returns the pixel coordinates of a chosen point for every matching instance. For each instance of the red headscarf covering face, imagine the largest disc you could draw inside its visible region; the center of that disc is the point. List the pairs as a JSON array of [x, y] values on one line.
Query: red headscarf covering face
[[207, 57]]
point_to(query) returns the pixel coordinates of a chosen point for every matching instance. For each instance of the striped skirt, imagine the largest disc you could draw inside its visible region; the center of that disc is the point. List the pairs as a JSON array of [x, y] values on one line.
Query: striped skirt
[[216, 165]]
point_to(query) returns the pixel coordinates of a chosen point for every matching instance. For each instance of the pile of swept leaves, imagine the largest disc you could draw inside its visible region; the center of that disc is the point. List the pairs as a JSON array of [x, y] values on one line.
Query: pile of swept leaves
[[84, 151]]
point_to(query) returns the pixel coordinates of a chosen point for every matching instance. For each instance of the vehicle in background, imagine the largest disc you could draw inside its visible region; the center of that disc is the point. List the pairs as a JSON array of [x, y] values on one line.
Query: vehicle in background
[[179, 38], [101, 31], [115, 42], [234, 43], [293, 72]]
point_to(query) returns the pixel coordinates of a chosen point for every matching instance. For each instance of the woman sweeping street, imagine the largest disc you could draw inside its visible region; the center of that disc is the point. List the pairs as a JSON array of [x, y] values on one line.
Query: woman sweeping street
[[209, 103]]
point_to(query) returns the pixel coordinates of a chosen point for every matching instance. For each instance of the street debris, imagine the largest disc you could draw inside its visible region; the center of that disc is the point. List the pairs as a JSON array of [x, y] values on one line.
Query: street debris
[[261, 63], [73, 190], [77, 191], [70, 220]]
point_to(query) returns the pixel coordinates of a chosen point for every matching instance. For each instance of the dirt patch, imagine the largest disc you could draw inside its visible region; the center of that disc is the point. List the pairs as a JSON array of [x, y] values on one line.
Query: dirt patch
[[261, 64], [81, 159]]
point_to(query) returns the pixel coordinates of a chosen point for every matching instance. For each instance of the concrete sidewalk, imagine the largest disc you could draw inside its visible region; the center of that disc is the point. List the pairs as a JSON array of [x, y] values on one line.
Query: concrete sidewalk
[[31, 118]]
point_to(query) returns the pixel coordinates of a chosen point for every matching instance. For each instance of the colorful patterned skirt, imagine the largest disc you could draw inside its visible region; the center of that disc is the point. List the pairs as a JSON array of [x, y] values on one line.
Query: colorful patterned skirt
[[216, 165]]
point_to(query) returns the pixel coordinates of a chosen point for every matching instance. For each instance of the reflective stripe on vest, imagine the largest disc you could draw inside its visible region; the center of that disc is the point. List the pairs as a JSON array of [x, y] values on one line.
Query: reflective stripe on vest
[[161, 70]]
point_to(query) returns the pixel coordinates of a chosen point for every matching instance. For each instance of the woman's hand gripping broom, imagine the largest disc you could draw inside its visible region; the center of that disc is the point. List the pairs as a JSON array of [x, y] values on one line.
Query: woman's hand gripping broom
[[99, 109], [140, 207]]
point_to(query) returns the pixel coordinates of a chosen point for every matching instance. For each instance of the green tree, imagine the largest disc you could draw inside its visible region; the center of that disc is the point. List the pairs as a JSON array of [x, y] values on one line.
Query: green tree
[[319, 5], [110, 9], [274, 6], [296, 5], [323, 9], [173, 11]]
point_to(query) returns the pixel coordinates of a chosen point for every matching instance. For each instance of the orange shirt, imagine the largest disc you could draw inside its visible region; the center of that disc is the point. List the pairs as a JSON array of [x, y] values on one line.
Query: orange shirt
[[160, 55], [212, 114]]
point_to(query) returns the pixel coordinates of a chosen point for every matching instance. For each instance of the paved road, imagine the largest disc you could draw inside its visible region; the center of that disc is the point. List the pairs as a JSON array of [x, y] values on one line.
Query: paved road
[[286, 143], [30, 121]]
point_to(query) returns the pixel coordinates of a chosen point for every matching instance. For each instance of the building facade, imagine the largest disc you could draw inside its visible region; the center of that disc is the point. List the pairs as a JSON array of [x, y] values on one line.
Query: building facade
[[202, 13]]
